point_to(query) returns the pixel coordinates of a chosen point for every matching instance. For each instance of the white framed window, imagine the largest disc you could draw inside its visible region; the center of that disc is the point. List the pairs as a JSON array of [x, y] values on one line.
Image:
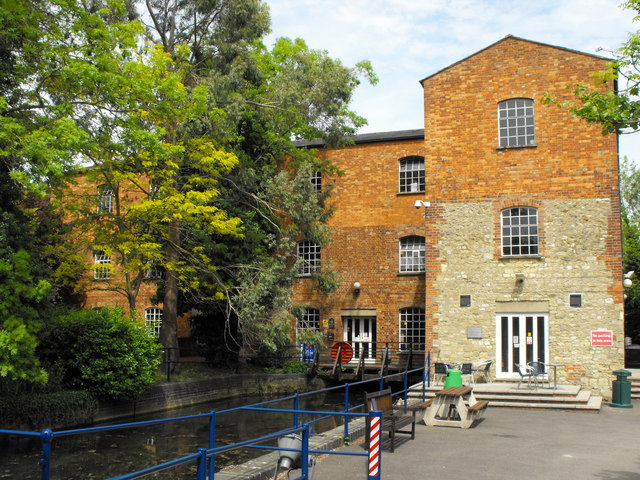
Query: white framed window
[[519, 231], [102, 268], [309, 256], [309, 320], [516, 123], [153, 321], [152, 271], [411, 174], [412, 328], [316, 181], [106, 195], [412, 254]]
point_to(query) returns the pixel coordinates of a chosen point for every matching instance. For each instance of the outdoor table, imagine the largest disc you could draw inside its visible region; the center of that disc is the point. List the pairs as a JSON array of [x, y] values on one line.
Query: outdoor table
[[440, 413], [555, 373]]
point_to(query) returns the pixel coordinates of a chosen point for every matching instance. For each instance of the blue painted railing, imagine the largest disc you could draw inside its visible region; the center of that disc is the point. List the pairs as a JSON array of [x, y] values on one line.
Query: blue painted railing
[[204, 458]]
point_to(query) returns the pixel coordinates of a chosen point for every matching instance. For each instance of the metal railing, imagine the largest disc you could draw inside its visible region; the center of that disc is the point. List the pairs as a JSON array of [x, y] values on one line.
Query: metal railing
[[204, 458]]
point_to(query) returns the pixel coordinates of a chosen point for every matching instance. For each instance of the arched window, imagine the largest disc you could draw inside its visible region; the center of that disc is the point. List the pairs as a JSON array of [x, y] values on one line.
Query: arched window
[[308, 253], [102, 265], [412, 328], [515, 123], [411, 174], [153, 321], [519, 231], [412, 254], [105, 199]]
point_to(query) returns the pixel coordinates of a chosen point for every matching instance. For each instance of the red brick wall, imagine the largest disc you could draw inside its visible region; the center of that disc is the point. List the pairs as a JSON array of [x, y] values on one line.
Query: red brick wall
[[462, 162]]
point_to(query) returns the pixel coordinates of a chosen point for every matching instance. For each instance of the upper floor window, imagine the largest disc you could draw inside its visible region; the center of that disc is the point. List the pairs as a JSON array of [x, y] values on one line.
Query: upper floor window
[[412, 328], [102, 268], [309, 320], [519, 231], [411, 174], [153, 271], [516, 125], [412, 254], [316, 181], [153, 321], [105, 199], [309, 257]]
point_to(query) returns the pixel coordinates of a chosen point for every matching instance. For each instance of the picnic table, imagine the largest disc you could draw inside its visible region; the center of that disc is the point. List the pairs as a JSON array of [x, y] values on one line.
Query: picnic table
[[455, 407]]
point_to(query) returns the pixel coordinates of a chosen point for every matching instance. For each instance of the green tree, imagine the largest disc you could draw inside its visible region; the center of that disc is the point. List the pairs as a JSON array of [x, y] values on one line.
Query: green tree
[[630, 188], [617, 111]]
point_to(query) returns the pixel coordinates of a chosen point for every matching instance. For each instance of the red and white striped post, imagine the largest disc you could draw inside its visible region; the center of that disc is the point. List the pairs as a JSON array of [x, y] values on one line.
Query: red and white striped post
[[375, 418]]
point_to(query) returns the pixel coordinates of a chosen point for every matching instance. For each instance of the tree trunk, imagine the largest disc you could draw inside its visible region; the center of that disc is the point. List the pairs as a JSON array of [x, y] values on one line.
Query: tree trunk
[[169, 327]]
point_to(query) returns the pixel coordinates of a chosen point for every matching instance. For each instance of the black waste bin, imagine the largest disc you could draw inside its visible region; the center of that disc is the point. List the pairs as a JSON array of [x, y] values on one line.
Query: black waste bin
[[621, 397]]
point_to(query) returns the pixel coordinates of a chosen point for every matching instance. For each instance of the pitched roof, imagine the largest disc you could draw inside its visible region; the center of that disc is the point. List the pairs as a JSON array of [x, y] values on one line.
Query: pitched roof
[[515, 38]]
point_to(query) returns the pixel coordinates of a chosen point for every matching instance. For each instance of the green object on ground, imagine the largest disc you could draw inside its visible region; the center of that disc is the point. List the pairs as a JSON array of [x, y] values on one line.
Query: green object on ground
[[621, 390], [453, 378]]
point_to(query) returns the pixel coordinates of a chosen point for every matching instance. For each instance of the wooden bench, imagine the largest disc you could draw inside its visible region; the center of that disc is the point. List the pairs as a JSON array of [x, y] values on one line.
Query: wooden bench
[[394, 418]]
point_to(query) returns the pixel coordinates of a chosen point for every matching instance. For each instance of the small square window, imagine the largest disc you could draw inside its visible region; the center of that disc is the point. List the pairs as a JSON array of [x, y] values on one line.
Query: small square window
[[575, 300], [465, 300]]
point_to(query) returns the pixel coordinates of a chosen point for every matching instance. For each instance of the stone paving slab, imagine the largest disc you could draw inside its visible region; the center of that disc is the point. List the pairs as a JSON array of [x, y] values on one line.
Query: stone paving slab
[[508, 444]]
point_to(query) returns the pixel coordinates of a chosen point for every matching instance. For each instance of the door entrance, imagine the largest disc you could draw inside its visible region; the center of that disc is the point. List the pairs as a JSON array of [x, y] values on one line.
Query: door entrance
[[360, 332], [520, 338]]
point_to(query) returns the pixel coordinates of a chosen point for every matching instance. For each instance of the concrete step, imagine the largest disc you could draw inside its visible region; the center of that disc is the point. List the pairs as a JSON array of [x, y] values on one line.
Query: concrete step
[[505, 394]]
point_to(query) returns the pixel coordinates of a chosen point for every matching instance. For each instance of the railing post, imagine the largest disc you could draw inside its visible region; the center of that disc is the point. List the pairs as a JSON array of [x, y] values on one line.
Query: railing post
[[296, 407], [45, 459], [426, 376], [212, 442], [202, 464], [305, 451], [346, 417], [406, 387], [375, 457]]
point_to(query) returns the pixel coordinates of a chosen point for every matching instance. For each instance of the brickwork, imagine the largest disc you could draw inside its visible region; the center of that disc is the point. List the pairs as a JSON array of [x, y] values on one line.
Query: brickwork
[[570, 175]]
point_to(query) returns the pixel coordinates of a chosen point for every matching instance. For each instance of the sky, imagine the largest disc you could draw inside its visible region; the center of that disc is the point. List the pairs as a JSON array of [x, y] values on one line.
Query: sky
[[408, 40]]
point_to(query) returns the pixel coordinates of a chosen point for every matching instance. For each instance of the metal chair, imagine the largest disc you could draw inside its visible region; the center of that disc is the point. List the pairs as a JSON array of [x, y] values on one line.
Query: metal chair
[[525, 371], [483, 370], [467, 370], [539, 371], [439, 370]]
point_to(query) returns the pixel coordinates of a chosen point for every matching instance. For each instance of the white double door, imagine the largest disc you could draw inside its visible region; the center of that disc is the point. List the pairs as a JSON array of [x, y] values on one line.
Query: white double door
[[520, 339], [360, 332]]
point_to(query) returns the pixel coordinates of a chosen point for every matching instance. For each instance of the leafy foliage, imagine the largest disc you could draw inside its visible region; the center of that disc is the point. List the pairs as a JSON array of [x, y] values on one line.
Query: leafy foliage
[[616, 111], [101, 351]]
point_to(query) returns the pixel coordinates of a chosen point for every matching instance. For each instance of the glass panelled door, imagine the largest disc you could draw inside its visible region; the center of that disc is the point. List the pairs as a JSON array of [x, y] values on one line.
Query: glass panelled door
[[360, 332], [520, 339]]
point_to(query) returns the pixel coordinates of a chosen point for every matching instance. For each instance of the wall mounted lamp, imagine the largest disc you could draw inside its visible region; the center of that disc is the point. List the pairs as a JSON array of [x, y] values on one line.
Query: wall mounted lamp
[[519, 278], [356, 287]]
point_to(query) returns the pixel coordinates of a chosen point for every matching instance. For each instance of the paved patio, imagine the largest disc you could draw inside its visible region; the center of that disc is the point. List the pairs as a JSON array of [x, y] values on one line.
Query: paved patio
[[511, 443]]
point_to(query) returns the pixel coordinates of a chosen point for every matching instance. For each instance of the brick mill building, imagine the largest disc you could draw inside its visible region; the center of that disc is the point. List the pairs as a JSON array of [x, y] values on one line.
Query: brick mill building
[[491, 234]]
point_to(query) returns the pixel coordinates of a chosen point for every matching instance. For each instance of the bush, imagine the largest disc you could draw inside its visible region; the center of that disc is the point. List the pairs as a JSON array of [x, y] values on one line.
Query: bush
[[101, 351]]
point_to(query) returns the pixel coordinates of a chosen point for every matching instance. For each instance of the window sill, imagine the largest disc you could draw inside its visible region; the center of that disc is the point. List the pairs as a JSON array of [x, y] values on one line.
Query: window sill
[[516, 147], [411, 274], [521, 257], [417, 192]]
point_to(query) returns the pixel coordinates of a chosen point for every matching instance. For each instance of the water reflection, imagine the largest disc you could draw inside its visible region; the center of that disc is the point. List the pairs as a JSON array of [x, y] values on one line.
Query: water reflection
[[116, 452]]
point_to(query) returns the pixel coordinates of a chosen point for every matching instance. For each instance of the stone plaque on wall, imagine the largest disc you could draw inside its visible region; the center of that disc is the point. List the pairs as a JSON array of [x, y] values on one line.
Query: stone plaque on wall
[[474, 332]]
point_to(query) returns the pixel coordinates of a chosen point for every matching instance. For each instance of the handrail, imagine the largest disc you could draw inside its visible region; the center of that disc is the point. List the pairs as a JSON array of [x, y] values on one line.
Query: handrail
[[202, 455]]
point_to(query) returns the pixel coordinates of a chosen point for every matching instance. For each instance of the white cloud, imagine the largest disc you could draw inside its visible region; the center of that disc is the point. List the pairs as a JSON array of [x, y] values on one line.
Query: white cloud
[[407, 40]]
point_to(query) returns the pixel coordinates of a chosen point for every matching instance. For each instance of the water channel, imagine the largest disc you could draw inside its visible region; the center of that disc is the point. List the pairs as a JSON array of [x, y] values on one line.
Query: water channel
[[116, 452]]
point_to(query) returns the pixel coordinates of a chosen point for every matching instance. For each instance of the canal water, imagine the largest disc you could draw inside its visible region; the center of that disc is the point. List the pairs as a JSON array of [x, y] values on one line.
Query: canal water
[[116, 452]]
